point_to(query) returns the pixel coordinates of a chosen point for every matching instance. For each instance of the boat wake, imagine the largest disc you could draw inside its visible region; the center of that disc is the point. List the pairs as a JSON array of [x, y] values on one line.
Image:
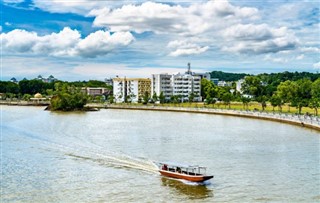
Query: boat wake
[[117, 161]]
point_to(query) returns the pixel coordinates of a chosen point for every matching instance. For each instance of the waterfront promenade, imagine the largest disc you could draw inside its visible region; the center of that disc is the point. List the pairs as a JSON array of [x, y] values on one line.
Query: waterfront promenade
[[300, 120]]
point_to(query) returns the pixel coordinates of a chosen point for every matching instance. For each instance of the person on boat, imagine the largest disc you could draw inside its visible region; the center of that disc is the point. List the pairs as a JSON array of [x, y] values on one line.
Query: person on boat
[[178, 169], [165, 167]]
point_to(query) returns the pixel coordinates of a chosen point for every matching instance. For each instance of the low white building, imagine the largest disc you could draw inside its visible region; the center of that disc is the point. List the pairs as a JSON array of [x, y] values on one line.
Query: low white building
[[95, 91]]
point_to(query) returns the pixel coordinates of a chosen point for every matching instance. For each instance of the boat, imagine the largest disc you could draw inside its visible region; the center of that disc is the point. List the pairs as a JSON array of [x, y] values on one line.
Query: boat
[[193, 173]]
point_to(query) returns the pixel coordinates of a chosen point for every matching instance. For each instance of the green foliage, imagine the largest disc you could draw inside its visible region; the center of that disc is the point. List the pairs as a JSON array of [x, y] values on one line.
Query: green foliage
[[275, 100], [162, 98], [146, 97], [34, 86], [227, 76], [154, 97], [226, 98], [68, 98], [9, 87]]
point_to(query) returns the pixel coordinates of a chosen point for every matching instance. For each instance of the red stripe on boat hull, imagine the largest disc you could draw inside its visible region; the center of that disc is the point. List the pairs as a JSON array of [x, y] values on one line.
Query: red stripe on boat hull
[[192, 178]]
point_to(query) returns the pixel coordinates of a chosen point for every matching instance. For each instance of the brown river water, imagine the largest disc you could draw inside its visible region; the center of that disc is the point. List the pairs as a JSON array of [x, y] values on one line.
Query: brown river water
[[107, 156]]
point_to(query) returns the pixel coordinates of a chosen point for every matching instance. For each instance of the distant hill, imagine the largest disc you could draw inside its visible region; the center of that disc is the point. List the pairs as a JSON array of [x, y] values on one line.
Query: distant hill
[[227, 76], [267, 77]]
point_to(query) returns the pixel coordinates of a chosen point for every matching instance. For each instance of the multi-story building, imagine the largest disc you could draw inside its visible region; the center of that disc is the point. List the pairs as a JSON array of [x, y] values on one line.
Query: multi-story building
[[130, 89], [181, 85], [162, 83], [185, 84]]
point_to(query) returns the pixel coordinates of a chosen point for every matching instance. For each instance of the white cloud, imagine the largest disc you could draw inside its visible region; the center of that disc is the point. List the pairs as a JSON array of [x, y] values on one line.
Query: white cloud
[[258, 39], [300, 57], [67, 42], [275, 59], [175, 19], [102, 42], [183, 48], [310, 49], [316, 65], [7, 24]]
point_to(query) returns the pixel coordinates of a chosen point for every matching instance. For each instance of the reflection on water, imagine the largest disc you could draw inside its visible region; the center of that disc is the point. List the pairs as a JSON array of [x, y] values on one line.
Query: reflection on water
[[192, 191]]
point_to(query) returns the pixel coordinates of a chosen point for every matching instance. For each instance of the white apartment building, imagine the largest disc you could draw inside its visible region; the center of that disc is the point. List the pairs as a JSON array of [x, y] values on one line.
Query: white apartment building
[[162, 83], [186, 84], [130, 89], [176, 85]]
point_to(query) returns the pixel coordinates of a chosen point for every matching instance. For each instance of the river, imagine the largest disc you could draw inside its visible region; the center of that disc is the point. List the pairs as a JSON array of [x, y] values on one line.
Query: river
[[107, 156]]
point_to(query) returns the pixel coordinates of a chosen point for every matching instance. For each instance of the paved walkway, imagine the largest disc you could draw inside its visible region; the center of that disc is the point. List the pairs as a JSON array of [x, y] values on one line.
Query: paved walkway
[[301, 120]]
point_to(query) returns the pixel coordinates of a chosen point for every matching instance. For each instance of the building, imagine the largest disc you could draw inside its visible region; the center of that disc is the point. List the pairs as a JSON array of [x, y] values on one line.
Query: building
[[186, 84], [96, 91], [181, 85], [130, 89], [222, 83], [239, 85], [109, 81], [215, 81], [46, 80], [162, 83]]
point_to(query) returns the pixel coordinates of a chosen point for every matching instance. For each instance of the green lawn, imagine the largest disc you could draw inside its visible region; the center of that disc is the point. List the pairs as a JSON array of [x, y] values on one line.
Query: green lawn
[[235, 106]]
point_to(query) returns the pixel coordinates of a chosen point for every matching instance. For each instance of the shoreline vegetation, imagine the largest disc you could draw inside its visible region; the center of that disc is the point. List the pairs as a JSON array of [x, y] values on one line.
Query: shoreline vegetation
[[253, 111]]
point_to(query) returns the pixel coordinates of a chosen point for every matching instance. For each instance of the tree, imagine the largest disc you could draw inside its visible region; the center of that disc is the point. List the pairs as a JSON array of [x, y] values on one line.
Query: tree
[[145, 97], [252, 86], [226, 98], [263, 101], [68, 98], [303, 92], [275, 100], [287, 91], [245, 101], [315, 104], [162, 98], [191, 97], [154, 97], [111, 99], [315, 96]]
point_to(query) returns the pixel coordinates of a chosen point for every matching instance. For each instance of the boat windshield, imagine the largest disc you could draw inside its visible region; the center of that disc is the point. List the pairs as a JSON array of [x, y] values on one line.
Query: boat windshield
[[183, 168]]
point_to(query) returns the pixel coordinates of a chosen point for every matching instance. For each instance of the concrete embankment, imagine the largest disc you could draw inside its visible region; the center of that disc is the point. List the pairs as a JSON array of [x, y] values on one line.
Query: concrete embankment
[[24, 103], [299, 120]]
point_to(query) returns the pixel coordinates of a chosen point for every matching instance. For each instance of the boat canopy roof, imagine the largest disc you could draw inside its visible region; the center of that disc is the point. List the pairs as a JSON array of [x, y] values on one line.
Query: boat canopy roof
[[182, 165]]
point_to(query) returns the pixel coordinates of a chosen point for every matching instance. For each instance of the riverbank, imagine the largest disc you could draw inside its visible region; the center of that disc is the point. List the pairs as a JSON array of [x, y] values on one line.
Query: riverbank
[[298, 120], [311, 122]]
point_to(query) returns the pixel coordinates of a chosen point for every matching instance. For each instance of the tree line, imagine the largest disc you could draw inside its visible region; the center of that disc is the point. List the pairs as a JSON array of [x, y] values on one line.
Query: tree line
[[304, 92]]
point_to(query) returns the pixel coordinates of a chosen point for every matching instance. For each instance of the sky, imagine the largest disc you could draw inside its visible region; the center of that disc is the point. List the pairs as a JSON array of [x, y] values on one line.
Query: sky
[[97, 39]]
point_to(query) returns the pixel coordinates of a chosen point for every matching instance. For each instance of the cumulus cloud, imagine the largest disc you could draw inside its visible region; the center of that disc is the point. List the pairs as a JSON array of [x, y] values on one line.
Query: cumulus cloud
[[183, 48], [67, 42], [258, 39], [300, 57], [316, 65], [268, 57], [175, 19], [310, 49]]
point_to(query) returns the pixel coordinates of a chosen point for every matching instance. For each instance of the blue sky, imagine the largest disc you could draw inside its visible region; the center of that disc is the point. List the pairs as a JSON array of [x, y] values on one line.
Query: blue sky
[[85, 39]]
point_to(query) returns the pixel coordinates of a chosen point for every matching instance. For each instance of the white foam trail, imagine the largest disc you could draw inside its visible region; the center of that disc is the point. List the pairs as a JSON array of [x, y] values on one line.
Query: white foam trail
[[108, 158]]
